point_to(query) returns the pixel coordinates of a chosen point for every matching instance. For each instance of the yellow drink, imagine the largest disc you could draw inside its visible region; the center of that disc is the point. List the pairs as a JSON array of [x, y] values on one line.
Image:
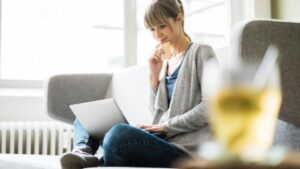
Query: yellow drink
[[243, 119]]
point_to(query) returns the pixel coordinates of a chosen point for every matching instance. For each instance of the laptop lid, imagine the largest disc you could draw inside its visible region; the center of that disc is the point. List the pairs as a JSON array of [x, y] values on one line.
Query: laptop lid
[[97, 117]]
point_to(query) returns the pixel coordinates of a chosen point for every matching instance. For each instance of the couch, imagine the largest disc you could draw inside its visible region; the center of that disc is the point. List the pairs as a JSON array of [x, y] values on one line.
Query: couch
[[129, 87], [249, 40]]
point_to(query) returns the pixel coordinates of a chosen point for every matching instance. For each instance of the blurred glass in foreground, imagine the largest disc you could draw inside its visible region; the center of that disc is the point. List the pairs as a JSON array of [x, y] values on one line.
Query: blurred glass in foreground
[[244, 100]]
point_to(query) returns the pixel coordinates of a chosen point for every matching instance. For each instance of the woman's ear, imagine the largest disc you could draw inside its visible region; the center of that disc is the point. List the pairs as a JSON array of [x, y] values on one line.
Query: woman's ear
[[180, 17]]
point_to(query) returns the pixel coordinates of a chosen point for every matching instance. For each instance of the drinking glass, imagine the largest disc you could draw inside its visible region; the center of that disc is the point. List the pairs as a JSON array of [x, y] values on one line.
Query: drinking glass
[[244, 100]]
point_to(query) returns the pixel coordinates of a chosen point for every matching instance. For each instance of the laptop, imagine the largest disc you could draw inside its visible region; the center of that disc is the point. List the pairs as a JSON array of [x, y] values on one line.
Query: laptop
[[97, 117]]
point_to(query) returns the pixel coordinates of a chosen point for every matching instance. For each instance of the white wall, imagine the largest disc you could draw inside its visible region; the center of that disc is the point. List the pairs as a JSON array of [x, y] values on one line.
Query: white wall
[[262, 8], [248, 9], [287, 10], [21, 105]]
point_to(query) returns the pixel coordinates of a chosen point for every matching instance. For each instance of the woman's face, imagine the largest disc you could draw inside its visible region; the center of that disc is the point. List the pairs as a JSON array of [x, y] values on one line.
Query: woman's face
[[166, 32]]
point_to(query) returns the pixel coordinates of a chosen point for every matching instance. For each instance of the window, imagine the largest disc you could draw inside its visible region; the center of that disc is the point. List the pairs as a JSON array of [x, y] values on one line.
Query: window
[[206, 21], [44, 37]]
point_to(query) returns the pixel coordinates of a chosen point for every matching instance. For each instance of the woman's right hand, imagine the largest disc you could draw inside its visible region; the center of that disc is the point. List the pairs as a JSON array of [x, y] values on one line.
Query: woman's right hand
[[156, 62]]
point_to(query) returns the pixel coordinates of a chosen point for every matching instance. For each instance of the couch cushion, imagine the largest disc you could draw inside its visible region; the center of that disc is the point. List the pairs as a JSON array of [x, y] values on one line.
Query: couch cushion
[[287, 135], [15, 161], [250, 40], [64, 90], [255, 37], [22, 161]]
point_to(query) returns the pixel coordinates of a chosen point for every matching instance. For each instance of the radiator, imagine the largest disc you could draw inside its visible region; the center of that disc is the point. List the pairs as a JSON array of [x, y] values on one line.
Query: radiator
[[46, 138]]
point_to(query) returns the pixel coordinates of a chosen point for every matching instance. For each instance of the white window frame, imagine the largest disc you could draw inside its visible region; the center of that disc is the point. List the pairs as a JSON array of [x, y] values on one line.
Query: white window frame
[[130, 31]]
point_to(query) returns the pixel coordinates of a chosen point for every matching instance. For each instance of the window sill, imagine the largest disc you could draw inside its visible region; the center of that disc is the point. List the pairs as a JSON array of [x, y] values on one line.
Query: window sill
[[21, 92]]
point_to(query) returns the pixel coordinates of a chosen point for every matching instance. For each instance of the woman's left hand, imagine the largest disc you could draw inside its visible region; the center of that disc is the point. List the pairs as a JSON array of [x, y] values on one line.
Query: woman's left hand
[[157, 128]]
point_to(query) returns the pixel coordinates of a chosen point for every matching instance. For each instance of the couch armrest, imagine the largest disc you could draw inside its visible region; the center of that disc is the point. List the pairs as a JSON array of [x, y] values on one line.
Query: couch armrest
[[64, 90], [251, 39]]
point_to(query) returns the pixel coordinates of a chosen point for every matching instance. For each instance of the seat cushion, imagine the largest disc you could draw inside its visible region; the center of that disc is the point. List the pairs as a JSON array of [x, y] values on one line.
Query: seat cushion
[[287, 135], [256, 36], [22, 161]]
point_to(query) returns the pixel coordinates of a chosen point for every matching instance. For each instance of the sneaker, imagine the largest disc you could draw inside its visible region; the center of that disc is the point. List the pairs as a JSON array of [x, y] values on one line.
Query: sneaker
[[80, 157]]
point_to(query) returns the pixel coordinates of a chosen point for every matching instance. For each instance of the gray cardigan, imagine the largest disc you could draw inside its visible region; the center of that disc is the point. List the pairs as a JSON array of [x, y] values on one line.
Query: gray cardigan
[[187, 116]]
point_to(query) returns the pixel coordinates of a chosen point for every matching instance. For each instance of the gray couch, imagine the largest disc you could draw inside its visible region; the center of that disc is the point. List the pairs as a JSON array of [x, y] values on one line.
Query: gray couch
[[250, 40], [129, 87]]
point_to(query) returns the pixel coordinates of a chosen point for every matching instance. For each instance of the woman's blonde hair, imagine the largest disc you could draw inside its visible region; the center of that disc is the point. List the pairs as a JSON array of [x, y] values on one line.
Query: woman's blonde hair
[[159, 11]]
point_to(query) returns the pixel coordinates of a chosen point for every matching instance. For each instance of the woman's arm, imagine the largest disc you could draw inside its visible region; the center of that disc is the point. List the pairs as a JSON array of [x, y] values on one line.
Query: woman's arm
[[152, 96], [155, 65], [196, 117], [192, 120]]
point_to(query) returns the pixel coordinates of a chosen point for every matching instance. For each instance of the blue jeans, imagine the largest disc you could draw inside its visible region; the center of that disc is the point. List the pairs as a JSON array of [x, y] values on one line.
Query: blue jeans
[[124, 145]]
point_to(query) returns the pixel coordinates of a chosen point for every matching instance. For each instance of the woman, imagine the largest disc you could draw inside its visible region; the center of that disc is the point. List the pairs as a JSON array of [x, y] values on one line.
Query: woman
[[179, 109]]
